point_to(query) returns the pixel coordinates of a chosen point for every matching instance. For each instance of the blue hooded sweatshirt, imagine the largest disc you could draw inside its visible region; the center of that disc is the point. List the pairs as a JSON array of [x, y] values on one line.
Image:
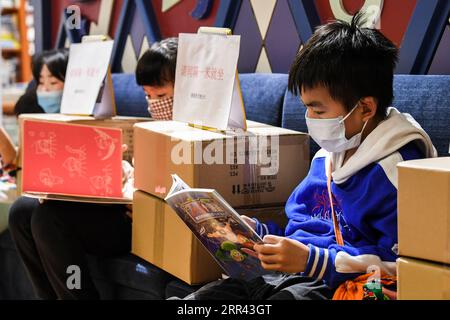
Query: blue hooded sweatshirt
[[365, 201]]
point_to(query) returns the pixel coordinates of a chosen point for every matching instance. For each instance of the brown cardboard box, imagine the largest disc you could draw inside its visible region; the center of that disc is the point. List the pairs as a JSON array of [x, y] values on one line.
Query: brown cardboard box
[[124, 123], [163, 239], [424, 209], [274, 214], [164, 148], [421, 280]]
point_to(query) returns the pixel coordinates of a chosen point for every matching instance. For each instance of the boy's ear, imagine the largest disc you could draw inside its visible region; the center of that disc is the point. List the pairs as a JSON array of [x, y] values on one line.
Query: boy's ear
[[369, 108]]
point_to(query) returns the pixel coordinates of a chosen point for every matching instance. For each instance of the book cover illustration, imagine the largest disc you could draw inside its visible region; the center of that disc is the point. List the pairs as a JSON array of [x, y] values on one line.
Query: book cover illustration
[[72, 160], [227, 237]]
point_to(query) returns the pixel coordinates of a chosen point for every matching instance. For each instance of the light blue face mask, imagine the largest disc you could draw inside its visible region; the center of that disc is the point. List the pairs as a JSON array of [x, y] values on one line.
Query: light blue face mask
[[50, 101]]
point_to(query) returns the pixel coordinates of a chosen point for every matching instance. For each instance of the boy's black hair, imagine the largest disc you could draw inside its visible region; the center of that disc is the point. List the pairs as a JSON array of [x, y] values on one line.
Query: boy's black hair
[[157, 66], [56, 62], [350, 61]]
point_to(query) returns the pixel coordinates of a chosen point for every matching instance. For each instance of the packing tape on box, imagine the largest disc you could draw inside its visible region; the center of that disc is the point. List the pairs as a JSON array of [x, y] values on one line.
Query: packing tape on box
[[253, 169], [254, 174], [250, 183], [158, 244], [251, 172]]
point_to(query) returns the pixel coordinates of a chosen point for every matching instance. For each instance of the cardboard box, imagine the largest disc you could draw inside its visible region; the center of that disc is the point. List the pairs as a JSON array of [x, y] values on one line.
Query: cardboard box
[[274, 214], [160, 237], [422, 280], [259, 167], [424, 209], [124, 123]]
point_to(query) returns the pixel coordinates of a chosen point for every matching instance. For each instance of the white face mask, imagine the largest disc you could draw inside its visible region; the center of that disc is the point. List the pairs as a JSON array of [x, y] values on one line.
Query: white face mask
[[329, 134]]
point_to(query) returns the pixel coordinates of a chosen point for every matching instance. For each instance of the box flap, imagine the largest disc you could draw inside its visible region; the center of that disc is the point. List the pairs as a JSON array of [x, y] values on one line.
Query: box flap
[[433, 164], [182, 131]]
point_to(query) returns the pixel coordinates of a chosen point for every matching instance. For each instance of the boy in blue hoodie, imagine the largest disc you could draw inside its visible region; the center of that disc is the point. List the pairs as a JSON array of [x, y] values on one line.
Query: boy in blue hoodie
[[344, 76]]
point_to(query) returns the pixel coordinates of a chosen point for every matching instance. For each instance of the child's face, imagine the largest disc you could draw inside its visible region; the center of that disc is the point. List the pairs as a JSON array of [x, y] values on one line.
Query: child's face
[[320, 105], [156, 93], [48, 82]]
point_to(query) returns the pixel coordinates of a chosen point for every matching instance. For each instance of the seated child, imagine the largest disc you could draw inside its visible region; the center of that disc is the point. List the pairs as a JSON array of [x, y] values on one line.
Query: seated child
[[344, 75]]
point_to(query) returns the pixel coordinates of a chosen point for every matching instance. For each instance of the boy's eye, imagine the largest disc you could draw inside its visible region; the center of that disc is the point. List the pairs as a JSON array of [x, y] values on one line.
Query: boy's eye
[[161, 95], [319, 112]]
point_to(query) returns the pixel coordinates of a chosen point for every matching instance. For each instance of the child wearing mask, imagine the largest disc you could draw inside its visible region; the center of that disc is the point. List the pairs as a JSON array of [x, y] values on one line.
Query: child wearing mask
[[160, 61], [342, 218], [44, 94]]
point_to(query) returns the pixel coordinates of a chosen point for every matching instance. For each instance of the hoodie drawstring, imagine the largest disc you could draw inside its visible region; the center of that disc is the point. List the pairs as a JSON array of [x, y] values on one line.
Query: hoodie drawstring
[[337, 229]]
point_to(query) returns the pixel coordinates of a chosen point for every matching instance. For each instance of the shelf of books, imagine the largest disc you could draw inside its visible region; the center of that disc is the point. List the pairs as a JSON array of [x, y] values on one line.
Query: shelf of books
[[17, 47], [16, 34]]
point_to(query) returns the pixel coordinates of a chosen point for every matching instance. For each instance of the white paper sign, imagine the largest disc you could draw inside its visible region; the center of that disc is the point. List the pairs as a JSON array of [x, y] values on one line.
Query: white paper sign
[[207, 90], [88, 86]]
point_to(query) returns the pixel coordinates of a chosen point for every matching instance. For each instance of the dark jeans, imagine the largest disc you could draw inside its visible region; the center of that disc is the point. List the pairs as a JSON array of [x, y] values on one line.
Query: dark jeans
[[54, 235], [269, 287]]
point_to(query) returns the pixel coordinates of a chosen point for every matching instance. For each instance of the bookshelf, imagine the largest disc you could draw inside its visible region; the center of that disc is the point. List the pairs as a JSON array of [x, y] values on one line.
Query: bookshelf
[[20, 51]]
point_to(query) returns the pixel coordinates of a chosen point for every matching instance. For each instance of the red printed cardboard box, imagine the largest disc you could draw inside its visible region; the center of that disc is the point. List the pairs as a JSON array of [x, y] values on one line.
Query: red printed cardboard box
[[125, 124], [71, 160]]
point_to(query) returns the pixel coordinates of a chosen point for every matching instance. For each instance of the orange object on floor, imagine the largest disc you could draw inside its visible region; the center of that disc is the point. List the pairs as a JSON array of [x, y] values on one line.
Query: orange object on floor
[[354, 289]]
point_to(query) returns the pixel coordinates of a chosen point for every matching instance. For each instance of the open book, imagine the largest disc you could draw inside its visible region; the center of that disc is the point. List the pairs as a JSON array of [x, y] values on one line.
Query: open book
[[219, 228]]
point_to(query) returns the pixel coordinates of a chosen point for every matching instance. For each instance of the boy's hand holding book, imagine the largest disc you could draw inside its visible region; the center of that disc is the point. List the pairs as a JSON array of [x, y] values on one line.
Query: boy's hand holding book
[[282, 254]]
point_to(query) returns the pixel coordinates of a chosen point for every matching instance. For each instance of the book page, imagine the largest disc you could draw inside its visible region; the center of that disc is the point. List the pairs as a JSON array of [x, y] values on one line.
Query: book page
[[177, 185]]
